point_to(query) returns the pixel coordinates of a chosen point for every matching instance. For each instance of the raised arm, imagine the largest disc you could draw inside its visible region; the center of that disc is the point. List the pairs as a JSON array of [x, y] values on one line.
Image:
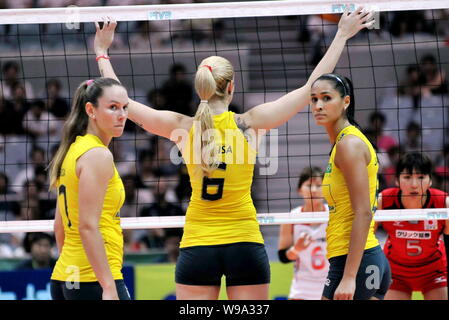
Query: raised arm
[[159, 122], [351, 158], [95, 169], [273, 114]]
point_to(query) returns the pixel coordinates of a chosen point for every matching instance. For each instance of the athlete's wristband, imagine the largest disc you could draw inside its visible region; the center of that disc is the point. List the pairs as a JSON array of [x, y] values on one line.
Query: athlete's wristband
[[282, 254], [292, 249], [104, 56]]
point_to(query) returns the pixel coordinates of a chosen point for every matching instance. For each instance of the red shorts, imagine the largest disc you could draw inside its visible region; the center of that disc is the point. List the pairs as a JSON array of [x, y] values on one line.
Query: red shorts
[[422, 278]]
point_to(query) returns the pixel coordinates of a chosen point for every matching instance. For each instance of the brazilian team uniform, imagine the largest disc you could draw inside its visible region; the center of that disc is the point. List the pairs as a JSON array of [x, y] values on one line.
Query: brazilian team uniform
[[221, 232], [339, 229], [73, 267]]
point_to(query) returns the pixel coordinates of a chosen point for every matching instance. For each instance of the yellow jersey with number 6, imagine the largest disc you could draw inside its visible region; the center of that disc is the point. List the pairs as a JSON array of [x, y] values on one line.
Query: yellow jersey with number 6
[[221, 209], [73, 264], [336, 193]]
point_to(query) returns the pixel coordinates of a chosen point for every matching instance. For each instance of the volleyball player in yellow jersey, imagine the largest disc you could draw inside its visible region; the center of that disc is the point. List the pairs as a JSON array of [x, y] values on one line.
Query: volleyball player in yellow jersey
[[358, 267], [90, 195], [221, 233]]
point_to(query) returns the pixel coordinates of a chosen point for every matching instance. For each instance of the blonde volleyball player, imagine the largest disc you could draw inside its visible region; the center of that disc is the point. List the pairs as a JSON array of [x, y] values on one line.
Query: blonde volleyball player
[[90, 195], [221, 233], [358, 267], [305, 244]]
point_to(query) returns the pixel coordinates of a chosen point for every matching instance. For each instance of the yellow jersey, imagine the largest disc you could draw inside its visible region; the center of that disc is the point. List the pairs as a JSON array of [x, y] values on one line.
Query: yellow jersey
[[73, 264], [221, 209], [336, 193]]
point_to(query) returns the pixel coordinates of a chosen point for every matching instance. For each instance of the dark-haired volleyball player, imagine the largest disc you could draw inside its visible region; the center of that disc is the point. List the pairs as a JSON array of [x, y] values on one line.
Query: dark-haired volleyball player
[[358, 268], [305, 244], [413, 248], [221, 233]]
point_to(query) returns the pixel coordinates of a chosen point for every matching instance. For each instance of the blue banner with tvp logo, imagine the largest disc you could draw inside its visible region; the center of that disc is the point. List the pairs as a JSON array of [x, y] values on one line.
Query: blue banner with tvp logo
[[35, 284]]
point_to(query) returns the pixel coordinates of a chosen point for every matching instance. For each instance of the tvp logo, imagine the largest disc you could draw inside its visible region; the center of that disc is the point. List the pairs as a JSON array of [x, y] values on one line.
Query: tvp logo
[[340, 8], [159, 15]]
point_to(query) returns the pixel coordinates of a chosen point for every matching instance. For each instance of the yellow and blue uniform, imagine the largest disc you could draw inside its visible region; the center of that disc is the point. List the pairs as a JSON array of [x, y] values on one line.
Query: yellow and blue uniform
[[73, 264], [335, 191], [338, 233], [221, 210], [221, 234]]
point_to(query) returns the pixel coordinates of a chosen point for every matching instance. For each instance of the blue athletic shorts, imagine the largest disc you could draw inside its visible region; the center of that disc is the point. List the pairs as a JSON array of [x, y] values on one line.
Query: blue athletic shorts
[[242, 263], [60, 290], [373, 278]]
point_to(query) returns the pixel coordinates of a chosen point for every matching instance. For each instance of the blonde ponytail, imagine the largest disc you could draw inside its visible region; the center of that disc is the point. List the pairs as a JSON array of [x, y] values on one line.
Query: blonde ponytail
[[205, 86], [211, 80]]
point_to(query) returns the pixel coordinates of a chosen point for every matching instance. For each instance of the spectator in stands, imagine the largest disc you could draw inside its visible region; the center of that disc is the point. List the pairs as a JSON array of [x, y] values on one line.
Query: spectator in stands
[[140, 40], [183, 189], [10, 119], [9, 206], [56, 105], [19, 4], [39, 245], [320, 27], [39, 123], [178, 91], [434, 79], [124, 160], [11, 245], [146, 174], [162, 149], [388, 174], [11, 78], [29, 205], [55, 3], [171, 245], [156, 98], [20, 107], [413, 139], [156, 237], [376, 132], [442, 170], [135, 198], [411, 86], [37, 158], [161, 207], [409, 22], [41, 178]]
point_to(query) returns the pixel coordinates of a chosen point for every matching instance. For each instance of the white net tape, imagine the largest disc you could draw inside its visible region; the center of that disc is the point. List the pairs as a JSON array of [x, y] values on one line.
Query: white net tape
[[206, 10], [263, 218]]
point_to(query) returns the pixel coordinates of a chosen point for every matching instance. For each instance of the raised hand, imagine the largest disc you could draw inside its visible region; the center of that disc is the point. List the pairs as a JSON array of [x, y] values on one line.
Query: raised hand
[[304, 240], [104, 36], [351, 23]]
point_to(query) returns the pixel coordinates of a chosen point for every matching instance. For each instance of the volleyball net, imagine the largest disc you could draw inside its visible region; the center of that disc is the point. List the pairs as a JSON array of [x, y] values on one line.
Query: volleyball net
[[46, 53]]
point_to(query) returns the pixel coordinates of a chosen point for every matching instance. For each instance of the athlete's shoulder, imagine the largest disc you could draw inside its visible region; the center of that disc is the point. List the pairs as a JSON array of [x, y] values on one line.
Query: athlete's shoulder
[[438, 198], [438, 192], [390, 192], [390, 198]]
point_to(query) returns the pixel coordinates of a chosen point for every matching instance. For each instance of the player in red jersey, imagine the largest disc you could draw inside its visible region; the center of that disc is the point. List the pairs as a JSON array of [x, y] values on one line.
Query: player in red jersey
[[413, 248]]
